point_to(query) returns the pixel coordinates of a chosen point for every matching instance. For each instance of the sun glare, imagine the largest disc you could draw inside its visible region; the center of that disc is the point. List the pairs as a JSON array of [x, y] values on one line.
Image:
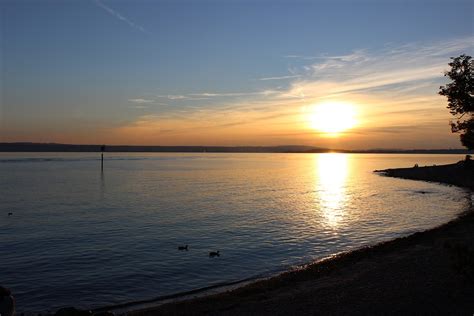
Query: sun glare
[[333, 117]]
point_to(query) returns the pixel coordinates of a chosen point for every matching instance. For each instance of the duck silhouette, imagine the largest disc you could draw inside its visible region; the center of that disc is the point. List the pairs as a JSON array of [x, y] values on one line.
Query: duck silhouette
[[10, 214], [213, 254], [183, 247]]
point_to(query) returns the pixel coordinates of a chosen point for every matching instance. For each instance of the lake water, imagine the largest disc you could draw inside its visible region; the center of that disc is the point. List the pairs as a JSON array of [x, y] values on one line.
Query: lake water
[[84, 238]]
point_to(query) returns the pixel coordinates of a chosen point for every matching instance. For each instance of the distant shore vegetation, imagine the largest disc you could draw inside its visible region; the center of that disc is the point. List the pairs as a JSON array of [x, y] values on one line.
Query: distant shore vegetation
[[54, 147]]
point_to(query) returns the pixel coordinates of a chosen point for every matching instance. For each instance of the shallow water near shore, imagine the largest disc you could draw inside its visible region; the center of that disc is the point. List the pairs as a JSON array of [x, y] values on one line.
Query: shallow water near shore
[[84, 238]]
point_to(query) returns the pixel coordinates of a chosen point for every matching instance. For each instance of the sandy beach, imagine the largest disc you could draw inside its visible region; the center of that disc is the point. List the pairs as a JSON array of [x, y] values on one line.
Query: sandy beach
[[430, 272]]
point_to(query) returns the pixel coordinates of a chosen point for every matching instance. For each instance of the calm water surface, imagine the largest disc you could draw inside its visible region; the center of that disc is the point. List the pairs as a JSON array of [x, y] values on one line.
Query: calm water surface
[[85, 238]]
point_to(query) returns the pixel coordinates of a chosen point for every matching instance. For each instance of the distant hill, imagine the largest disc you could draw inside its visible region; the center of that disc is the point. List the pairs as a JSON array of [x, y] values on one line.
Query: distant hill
[[411, 151], [53, 147]]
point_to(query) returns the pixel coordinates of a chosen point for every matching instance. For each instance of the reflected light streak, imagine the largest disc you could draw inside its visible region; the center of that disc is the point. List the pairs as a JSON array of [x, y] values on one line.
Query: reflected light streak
[[331, 186]]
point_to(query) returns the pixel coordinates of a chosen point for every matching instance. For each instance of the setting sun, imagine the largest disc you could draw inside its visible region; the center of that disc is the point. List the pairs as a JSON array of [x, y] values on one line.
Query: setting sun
[[158, 148], [333, 117]]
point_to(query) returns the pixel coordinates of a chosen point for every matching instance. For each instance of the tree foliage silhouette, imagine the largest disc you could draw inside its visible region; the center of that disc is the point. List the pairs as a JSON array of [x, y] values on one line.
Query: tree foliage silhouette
[[460, 94]]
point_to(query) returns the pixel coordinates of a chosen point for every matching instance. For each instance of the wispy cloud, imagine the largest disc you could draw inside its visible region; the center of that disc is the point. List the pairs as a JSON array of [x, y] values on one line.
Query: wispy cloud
[[303, 57], [175, 97], [215, 94], [119, 16], [211, 95], [356, 55], [237, 94], [365, 70], [399, 73], [141, 101], [278, 78], [390, 86]]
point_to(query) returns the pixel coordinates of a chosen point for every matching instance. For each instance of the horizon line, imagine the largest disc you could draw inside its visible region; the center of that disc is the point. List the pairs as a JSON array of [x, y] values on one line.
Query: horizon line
[[307, 147]]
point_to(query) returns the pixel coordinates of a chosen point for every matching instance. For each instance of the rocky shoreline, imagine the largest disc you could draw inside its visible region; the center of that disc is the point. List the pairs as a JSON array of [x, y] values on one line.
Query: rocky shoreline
[[460, 174]]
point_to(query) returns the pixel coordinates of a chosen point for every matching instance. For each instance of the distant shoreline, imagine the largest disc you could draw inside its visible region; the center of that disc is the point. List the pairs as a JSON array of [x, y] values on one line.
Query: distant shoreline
[[411, 274], [53, 147]]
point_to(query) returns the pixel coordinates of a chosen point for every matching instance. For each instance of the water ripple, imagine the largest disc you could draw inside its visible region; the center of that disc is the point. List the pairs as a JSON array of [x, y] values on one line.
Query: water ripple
[[82, 238]]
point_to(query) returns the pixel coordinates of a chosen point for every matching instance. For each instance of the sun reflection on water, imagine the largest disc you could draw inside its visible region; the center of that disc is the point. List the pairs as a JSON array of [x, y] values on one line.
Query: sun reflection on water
[[331, 186]]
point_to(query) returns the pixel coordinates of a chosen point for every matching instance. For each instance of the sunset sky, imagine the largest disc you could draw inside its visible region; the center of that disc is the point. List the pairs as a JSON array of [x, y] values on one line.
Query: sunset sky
[[231, 72]]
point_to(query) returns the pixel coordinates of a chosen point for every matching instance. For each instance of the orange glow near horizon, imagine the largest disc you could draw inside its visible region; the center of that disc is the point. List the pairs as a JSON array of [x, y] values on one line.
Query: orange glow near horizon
[[333, 118], [363, 123]]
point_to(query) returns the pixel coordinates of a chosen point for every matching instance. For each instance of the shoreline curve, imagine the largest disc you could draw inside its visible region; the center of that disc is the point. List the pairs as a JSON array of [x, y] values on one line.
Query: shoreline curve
[[431, 271]]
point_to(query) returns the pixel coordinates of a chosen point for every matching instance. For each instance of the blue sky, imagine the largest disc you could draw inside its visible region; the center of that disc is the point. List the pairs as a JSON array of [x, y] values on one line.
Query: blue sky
[[226, 72]]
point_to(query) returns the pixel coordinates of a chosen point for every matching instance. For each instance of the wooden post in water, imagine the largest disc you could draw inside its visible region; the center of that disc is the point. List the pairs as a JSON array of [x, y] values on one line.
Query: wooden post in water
[[102, 149]]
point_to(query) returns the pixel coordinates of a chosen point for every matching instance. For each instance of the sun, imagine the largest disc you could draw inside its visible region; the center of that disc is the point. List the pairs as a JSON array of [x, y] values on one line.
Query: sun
[[333, 118]]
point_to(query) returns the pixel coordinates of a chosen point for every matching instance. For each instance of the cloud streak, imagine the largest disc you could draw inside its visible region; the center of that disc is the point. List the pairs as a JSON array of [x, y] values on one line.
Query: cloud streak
[[278, 78], [364, 70], [175, 97], [390, 87], [119, 16], [141, 101], [212, 95]]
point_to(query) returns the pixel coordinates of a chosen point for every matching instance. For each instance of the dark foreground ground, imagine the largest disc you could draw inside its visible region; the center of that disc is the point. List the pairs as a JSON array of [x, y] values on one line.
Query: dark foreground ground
[[431, 272]]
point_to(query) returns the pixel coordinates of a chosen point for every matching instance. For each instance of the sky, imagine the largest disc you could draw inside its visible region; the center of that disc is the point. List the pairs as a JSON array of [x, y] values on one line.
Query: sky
[[230, 72]]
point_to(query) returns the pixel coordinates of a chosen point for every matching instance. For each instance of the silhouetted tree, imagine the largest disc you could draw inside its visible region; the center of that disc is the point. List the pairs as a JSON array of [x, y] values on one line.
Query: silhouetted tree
[[460, 94]]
